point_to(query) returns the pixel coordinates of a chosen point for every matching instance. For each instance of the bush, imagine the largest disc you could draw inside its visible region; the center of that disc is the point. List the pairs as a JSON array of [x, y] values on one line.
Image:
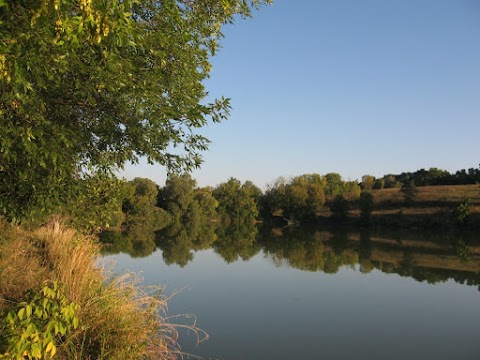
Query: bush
[[366, 206], [118, 319], [409, 191], [461, 213], [35, 328], [340, 207]]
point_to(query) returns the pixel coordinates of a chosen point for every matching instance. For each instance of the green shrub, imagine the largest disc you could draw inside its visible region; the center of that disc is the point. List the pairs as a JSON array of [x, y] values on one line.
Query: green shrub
[[366, 206], [410, 192], [340, 207], [35, 328], [118, 319], [461, 213]]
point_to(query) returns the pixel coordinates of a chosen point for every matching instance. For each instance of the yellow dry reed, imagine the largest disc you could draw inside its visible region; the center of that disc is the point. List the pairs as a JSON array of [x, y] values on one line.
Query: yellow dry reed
[[119, 319]]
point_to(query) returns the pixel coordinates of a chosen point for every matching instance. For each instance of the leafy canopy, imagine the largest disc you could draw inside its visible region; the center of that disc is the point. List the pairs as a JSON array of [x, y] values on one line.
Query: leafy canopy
[[88, 85]]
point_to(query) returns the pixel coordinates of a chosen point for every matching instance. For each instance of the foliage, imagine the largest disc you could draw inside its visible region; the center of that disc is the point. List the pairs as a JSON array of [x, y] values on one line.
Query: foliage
[[334, 185], [207, 204], [237, 202], [390, 181], [118, 319], [137, 238], [409, 191], [379, 184], [340, 207], [368, 182], [366, 206], [461, 213], [351, 190], [177, 241], [140, 197], [37, 327], [301, 198], [303, 201], [177, 195], [142, 219], [306, 248], [252, 190], [272, 199], [185, 202], [96, 202], [89, 85], [237, 241], [432, 176]]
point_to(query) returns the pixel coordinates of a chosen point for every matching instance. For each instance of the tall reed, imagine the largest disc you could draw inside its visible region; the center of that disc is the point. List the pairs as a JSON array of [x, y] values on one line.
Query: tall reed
[[118, 318]]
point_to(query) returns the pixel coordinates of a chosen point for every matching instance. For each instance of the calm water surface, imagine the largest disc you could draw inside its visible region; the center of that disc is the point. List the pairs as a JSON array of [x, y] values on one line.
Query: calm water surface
[[311, 294]]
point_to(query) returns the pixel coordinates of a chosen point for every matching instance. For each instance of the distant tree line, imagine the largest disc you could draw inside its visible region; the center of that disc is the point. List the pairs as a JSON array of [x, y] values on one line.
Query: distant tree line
[[182, 201], [232, 202], [422, 177], [300, 198], [304, 196]]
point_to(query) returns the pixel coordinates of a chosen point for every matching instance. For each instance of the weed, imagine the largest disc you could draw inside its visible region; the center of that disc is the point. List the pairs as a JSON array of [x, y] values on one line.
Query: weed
[[119, 319]]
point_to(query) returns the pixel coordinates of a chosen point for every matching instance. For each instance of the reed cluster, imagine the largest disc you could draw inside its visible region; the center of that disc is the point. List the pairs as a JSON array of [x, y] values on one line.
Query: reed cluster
[[118, 319]]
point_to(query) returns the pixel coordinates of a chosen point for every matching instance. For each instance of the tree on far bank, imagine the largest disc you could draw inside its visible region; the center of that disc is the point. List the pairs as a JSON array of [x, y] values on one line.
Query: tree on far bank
[[340, 207], [409, 191], [334, 184], [236, 201], [177, 194], [366, 206], [272, 200], [379, 184], [303, 201], [141, 196], [351, 190], [390, 181], [368, 182]]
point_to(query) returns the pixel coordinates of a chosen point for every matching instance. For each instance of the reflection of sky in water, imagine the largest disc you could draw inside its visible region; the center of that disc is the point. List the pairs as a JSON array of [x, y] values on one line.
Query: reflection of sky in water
[[256, 310]]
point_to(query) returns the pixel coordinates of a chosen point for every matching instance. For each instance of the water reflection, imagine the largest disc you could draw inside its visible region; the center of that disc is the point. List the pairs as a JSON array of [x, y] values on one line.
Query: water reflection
[[422, 256]]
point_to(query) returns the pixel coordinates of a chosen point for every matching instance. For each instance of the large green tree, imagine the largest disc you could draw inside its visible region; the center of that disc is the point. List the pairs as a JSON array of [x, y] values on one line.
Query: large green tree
[[88, 85], [237, 202], [177, 195], [187, 203], [301, 198]]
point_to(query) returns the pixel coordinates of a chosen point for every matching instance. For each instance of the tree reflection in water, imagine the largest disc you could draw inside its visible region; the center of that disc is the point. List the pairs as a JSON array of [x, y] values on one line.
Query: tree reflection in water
[[422, 256]]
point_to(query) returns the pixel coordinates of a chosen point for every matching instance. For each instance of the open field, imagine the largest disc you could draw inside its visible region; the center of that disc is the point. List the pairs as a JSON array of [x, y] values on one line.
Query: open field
[[432, 207], [440, 195]]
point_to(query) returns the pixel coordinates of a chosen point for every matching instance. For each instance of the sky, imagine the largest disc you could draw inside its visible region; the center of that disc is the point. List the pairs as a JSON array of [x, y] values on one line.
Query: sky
[[349, 86]]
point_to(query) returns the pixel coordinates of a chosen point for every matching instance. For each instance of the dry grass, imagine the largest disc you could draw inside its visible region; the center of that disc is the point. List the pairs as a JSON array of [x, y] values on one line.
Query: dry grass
[[20, 265], [441, 195], [119, 319]]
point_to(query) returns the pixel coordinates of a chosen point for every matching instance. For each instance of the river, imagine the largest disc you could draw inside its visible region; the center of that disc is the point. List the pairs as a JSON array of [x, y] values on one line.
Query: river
[[309, 293]]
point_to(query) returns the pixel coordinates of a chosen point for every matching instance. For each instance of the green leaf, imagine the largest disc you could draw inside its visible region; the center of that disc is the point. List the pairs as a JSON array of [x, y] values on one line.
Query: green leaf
[[51, 348], [28, 310], [21, 313], [78, 101]]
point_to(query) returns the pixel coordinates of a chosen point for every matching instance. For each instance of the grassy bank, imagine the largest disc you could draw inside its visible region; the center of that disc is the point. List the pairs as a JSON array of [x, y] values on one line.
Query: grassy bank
[[431, 207], [116, 319], [436, 196]]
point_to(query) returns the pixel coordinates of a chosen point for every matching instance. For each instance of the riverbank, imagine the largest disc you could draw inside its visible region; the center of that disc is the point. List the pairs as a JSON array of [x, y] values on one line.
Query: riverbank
[[432, 207], [71, 307]]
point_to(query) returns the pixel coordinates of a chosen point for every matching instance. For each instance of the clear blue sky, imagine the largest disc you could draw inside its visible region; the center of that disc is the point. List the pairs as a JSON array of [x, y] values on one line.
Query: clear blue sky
[[348, 86]]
